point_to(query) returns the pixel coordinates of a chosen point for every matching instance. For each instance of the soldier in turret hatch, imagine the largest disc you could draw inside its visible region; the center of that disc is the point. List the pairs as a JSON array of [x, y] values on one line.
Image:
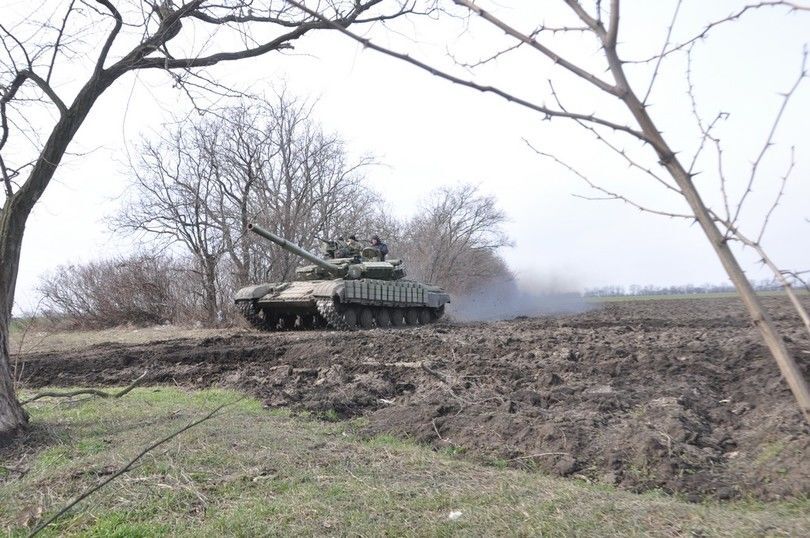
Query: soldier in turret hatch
[[381, 247], [354, 244]]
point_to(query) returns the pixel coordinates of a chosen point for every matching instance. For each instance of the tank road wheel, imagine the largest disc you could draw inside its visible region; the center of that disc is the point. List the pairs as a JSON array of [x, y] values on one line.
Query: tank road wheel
[[366, 319], [331, 316], [270, 320], [350, 316], [309, 321], [383, 318], [412, 316], [397, 317], [259, 318], [424, 316], [288, 321], [437, 313]]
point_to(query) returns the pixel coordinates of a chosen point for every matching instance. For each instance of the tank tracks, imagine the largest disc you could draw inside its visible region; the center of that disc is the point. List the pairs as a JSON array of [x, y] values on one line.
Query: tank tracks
[[327, 310], [329, 315], [251, 314]]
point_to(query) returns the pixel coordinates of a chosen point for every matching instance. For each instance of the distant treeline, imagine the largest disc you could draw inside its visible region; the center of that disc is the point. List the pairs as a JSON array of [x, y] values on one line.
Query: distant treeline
[[687, 289]]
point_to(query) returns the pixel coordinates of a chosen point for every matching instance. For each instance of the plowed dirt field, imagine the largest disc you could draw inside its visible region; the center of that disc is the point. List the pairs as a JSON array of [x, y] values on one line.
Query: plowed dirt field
[[677, 395]]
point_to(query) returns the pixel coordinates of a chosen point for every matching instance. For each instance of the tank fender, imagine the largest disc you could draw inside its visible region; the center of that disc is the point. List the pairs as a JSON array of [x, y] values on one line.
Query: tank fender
[[436, 299], [253, 292], [329, 289]]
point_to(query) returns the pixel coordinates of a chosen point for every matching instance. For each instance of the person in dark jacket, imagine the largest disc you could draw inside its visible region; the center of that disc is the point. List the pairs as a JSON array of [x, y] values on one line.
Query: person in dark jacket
[[380, 246]]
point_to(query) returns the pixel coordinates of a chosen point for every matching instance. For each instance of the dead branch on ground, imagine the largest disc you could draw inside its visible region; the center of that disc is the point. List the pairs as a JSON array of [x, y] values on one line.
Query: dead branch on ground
[[93, 392]]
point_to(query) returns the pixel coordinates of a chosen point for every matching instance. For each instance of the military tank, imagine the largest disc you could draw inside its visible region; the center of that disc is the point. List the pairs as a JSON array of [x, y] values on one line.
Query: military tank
[[352, 288]]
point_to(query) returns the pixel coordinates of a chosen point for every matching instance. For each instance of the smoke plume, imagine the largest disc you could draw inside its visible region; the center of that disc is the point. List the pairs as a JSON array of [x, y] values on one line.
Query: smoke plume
[[507, 299]]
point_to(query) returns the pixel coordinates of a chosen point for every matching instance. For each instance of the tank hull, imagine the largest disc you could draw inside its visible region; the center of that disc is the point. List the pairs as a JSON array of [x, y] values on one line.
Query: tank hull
[[341, 304]]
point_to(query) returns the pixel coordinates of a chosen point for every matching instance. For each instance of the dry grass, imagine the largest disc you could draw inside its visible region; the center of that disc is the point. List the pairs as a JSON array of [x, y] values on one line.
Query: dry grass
[[254, 472], [40, 338]]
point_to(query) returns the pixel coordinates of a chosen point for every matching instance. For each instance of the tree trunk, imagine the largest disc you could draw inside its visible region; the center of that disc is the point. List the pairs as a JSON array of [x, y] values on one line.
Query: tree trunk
[[773, 340], [12, 416], [12, 227], [209, 271]]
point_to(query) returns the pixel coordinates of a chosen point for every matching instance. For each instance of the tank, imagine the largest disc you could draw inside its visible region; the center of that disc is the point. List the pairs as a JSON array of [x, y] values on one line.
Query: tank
[[348, 289]]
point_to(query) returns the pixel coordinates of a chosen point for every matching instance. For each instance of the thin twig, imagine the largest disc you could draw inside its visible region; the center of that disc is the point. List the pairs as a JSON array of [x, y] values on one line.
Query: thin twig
[[733, 17], [128, 466], [622, 153], [663, 50], [769, 141], [734, 231], [609, 195], [539, 455], [443, 378], [779, 195]]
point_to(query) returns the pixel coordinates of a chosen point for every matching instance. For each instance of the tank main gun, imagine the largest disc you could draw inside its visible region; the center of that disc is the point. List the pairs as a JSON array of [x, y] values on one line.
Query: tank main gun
[[295, 249]]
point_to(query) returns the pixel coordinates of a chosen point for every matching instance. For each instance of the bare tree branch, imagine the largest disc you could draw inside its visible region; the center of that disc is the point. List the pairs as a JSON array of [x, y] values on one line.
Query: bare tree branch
[[609, 195], [105, 49], [769, 140], [549, 113], [531, 42], [46, 88], [58, 41], [622, 153], [792, 6], [669, 159], [613, 28], [779, 274], [779, 195], [663, 49], [153, 25]]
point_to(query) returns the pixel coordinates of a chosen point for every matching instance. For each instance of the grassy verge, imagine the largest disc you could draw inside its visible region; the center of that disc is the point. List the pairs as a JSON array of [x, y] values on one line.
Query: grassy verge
[[251, 472], [41, 338]]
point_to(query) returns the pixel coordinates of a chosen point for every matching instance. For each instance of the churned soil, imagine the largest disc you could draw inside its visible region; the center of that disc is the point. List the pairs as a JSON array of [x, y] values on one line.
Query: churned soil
[[676, 395]]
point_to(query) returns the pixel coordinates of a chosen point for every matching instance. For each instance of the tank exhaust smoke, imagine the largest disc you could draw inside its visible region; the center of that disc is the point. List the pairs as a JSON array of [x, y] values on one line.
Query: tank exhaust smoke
[[508, 299]]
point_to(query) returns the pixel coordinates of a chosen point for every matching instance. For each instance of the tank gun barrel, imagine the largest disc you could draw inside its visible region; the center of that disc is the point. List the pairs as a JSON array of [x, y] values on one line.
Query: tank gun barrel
[[295, 249]]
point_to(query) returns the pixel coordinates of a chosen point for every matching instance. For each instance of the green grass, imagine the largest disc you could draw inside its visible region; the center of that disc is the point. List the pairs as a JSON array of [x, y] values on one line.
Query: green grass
[[249, 471]]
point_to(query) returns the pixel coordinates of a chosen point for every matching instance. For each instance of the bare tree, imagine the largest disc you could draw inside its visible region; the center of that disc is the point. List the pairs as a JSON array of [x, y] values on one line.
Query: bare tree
[[453, 239], [175, 187], [601, 22], [310, 187], [267, 162], [242, 154], [42, 106]]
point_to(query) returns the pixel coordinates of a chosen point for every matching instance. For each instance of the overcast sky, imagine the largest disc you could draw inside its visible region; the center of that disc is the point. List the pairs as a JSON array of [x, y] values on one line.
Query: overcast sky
[[426, 132]]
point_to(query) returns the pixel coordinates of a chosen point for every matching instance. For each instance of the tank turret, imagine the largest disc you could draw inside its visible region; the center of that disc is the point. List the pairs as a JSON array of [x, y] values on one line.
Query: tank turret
[[347, 261]]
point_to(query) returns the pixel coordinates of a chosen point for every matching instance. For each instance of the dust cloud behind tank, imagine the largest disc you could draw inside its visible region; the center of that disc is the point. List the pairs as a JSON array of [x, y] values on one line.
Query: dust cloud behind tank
[[351, 288]]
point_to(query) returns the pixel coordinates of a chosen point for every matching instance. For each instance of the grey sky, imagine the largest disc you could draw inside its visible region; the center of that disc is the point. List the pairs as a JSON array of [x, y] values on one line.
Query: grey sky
[[426, 133]]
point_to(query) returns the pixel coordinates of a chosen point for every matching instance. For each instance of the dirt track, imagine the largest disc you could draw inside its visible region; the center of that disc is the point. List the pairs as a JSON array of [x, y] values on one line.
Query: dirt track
[[677, 395]]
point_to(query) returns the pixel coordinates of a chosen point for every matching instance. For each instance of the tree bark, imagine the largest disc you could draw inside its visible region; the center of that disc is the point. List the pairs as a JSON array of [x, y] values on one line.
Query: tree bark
[[12, 226], [12, 416], [209, 271]]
